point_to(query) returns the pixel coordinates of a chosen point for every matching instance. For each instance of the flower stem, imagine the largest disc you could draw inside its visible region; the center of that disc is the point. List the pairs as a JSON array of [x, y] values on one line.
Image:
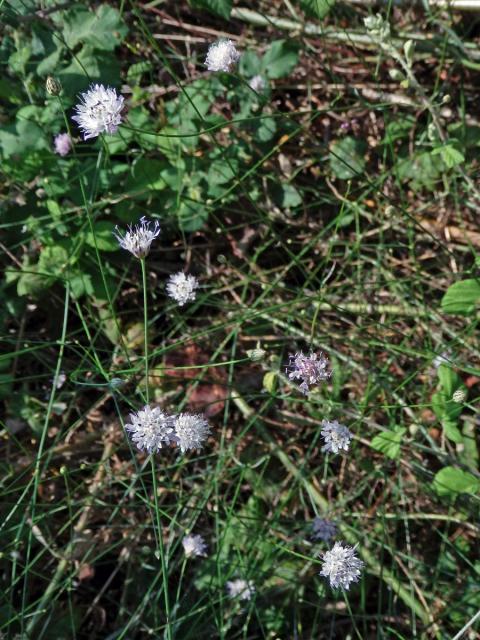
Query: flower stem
[[145, 325]]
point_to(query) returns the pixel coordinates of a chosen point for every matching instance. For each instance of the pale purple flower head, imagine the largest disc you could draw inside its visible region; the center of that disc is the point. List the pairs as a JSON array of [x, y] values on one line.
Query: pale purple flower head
[[239, 588], [150, 429], [191, 431], [181, 288], [337, 436], [99, 111], [323, 529], [222, 56], [139, 238], [194, 546], [341, 566], [62, 143], [309, 369]]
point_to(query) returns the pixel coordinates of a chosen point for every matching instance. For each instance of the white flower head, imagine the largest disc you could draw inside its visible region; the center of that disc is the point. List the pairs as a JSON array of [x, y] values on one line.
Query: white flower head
[[191, 431], [99, 111], [341, 566], [139, 238], [222, 56], [336, 436], [62, 143], [194, 545], [257, 83], [323, 529], [239, 588], [150, 428], [309, 369], [181, 288]]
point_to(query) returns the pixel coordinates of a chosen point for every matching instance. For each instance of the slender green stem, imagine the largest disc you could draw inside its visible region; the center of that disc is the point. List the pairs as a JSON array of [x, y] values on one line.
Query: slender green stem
[[41, 446], [161, 550], [145, 325]]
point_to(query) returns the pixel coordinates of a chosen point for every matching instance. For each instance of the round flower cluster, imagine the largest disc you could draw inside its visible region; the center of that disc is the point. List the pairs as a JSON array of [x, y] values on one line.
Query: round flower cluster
[[221, 56], [151, 429], [194, 546], [341, 566], [309, 369], [99, 111]]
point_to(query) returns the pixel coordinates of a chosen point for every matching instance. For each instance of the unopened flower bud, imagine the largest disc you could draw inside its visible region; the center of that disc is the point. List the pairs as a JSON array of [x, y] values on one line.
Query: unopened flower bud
[[409, 50], [459, 396], [53, 86], [396, 75], [256, 355]]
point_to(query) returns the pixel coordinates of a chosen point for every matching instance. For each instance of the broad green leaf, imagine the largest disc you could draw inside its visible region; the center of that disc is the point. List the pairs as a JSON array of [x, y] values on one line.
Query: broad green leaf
[[270, 381], [286, 196], [192, 215], [89, 66], [450, 155], [220, 8], [347, 157], [317, 8], [104, 236], [462, 297], [250, 64], [103, 28], [452, 481], [146, 176], [389, 442], [280, 58]]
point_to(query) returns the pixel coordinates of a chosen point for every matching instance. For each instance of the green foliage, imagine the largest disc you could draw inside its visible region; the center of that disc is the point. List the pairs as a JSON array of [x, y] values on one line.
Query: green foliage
[[317, 8], [450, 155], [462, 297], [389, 442], [102, 29], [451, 481], [220, 8], [445, 408], [347, 157], [280, 58]]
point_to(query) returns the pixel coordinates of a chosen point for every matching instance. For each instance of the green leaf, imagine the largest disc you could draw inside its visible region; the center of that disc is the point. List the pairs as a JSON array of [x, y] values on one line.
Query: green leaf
[[389, 442], [104, 237], [317, 8], [452, 481], [270, 381], [250, 64], [286, 196], [347, 157], [146, 175], [450, 155], [220, 8], [462, 297], [89, 66], [103, 29], [280, 58], [266, 129]]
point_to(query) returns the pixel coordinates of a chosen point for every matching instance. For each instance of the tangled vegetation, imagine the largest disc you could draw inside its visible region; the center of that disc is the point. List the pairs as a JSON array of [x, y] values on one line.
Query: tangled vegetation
[[240, 370]]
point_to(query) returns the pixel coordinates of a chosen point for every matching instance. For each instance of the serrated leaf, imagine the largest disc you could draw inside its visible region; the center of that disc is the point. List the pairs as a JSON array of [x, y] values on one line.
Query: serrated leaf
[[280, 58], [452, 481], [102, 29], [389, 442], [220, 8], [462, 297], [450, 155]]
